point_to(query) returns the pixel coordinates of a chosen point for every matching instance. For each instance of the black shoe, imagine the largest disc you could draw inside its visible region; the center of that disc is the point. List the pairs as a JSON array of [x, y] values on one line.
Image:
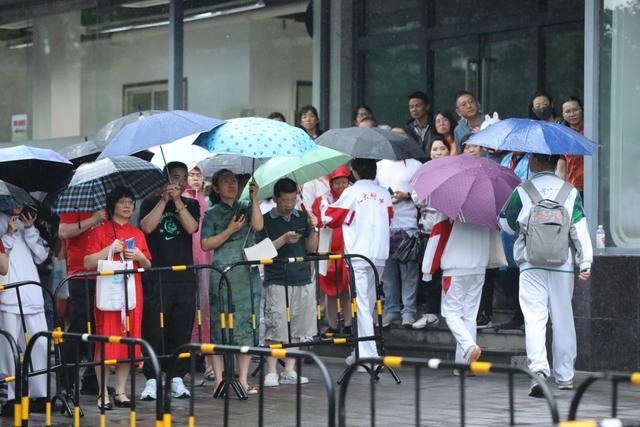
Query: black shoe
[[107, 404], [346, 330], [121, 403], [483, 322], [535, 390]]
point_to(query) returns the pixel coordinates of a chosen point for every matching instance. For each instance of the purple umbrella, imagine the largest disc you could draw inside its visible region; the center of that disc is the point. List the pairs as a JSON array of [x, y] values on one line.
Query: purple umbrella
[[465, 188]]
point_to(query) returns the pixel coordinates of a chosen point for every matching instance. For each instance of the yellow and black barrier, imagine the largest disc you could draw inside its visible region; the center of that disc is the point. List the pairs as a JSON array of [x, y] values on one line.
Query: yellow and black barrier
[[480, 368], [189, 350], [353, 339], [15, 378], [57, 337], [615, 378]]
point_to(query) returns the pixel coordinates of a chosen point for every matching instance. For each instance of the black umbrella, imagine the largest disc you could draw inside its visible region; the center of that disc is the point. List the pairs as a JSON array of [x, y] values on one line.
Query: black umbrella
[[371, 143], [12, 196], [33, 169]]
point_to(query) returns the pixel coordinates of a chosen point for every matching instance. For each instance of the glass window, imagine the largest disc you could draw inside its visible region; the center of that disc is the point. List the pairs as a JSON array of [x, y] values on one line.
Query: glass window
[[455, 67], [384, 16], [563, 63], [451, 12], [619, 152], [390, 75]]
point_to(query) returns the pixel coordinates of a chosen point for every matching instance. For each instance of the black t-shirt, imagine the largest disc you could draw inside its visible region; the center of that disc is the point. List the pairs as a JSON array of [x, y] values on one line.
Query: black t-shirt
[[169, 243]]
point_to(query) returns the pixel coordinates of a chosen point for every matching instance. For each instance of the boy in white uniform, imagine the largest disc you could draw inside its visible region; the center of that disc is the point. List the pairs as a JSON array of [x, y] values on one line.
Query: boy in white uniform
[[462, 252], [364, 211], [547, 291]]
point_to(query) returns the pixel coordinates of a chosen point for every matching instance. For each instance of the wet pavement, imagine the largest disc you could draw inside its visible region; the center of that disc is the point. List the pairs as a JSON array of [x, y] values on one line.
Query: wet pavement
[[486, 398]]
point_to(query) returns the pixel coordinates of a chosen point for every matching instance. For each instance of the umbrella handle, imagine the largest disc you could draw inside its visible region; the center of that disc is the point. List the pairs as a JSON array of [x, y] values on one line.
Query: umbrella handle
[[164, 160]]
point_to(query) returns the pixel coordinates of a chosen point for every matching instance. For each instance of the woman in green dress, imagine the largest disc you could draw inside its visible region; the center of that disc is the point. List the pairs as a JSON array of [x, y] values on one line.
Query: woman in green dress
[[227, 230]]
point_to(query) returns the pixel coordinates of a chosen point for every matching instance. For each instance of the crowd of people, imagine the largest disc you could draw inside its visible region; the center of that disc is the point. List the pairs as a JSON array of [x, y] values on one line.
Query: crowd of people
[[367, 208]]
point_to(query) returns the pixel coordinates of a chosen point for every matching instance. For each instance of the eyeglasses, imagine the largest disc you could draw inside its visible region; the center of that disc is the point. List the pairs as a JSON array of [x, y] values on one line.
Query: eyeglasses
[[126, 202]]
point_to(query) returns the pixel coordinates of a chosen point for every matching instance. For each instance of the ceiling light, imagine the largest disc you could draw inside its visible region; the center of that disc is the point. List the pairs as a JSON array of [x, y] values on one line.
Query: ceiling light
[[145, 3]]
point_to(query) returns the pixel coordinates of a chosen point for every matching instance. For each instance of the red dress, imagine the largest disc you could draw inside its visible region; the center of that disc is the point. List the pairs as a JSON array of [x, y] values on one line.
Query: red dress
[[328, 282], [109, 322]]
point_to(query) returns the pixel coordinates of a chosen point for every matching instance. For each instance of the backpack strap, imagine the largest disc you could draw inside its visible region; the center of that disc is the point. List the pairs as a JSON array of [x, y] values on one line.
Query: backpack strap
[[563, 194], [531, 191]]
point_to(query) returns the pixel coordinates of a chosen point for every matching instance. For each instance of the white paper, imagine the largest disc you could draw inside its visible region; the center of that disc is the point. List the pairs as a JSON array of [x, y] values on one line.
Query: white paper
[[261, 250], [324, 245]]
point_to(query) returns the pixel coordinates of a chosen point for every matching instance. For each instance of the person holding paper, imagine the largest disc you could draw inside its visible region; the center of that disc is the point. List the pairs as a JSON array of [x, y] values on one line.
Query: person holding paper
[[128, 243], [227, 229], [334, 282]]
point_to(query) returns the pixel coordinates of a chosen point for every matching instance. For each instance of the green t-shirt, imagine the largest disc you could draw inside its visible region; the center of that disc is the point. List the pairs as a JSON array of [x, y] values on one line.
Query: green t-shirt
[[292, 274]]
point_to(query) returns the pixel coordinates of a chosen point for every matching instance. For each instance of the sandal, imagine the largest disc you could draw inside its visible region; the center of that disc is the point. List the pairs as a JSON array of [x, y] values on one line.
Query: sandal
[[121, 403], [107, 406], [209, 374], [252, 389]]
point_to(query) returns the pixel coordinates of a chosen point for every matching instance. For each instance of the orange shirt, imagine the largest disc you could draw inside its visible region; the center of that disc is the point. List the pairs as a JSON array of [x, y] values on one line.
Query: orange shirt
[[575, 168]]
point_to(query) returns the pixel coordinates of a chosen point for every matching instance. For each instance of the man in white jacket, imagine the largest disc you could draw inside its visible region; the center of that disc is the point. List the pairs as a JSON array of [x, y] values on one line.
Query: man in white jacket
[[462, 252], [25, 248], [547, 291], [364, 211]]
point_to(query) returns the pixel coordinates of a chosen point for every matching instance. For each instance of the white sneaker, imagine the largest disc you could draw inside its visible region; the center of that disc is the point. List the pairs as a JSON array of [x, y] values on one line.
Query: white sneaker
[[350, 359], [178, 390], [271, 380], [149, 392], [292, 378], [427, 319]]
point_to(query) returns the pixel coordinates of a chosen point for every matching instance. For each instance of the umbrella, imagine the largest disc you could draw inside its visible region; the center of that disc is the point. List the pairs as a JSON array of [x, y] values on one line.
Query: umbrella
[[533, 136], [88, 189], [310, 166], [257, 138], [371, 143], [12, 196], [465, 188], [111, 129], [239, 165], [181, 150], [33, 169], [88, 151], [157, 129]]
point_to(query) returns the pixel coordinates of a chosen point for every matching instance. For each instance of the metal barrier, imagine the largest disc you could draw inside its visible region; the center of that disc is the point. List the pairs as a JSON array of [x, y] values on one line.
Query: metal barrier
[[419, 364], [15, 378], [188, 350], [614, 378], [353, 339], [58, 337]]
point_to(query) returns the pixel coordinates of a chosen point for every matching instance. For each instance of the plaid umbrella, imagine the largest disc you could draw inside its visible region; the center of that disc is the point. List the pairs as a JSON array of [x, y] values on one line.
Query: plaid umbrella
[[13, 197], [88, 189]]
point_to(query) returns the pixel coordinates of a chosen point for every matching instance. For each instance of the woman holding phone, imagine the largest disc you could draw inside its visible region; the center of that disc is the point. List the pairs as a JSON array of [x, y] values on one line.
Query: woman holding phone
[[129, 244]]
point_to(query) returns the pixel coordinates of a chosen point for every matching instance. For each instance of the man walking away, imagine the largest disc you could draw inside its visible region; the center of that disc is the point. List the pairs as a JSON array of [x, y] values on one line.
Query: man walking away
[[548, 216]]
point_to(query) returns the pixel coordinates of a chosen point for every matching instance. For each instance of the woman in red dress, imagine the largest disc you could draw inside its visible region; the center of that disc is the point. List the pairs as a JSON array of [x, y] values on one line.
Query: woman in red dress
[[115, 231], [338, 182]]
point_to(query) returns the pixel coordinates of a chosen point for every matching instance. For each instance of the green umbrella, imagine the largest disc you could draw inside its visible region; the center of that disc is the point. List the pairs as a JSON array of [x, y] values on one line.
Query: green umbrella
[[311, 165]]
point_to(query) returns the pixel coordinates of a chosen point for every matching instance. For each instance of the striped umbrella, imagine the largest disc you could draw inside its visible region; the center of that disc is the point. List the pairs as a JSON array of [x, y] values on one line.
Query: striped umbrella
[[89, 186]]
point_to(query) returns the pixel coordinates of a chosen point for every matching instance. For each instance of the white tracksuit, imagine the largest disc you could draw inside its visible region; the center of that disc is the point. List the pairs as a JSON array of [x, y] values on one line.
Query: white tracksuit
[[547, 291], [25, 249], [364, 211], [462, 252]]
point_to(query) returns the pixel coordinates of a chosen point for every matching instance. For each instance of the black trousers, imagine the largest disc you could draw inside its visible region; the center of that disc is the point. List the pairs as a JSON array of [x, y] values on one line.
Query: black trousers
[[486, 302], [80, 309], [179, 308]]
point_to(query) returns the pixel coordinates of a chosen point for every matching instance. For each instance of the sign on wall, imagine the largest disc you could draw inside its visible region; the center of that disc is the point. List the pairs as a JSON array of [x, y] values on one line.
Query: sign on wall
[[19, 127]]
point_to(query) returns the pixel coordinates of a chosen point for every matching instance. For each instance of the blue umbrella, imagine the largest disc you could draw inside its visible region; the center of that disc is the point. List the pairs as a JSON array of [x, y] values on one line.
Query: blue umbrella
[[32, 168], [257, 138], [533, 136], [157, 129]]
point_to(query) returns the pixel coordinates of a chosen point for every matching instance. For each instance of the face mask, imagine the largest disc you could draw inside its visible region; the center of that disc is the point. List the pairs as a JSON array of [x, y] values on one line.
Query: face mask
[[543, 113]]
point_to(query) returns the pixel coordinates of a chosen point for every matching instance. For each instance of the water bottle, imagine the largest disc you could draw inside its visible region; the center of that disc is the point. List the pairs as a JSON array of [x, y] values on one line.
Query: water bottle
[[600, 238]]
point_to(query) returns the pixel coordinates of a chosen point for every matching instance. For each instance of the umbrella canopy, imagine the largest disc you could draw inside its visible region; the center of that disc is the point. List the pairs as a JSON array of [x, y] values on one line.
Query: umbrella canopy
[[88, 151], [371, 143], [533, 136], [310, 166], [33, 169], [465, 188], [256, 137], [88, 189], [239, 165], [111, 129], [181, 150], [12, 196], [157, 129]]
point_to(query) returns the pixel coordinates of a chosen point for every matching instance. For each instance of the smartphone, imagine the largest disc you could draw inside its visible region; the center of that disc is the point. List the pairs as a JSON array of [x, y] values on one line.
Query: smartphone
[[302, 231], [391, 191], [130, 243], [30, 210]]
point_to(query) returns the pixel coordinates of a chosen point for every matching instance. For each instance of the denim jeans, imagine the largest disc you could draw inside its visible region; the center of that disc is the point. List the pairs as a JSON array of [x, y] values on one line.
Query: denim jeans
[[400, 280]]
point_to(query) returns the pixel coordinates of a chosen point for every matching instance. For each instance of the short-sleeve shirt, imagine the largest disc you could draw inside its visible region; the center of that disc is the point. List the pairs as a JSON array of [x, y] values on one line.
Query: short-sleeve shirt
[[216, 220], [76, 246], [169, 243], [293, 274], [102, 236]]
